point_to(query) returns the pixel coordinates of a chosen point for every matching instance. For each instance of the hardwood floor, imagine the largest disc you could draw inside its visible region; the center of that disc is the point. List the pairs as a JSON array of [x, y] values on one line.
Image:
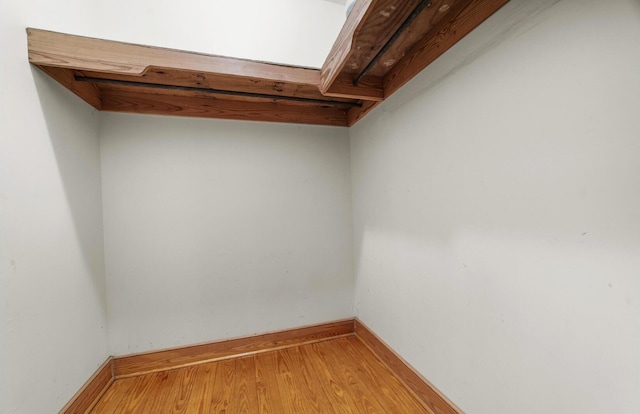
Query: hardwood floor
[[335, 376]]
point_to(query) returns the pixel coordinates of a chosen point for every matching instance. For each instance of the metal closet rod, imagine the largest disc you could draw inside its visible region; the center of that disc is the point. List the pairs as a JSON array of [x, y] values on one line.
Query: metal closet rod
[[217, 91], [421, 6]]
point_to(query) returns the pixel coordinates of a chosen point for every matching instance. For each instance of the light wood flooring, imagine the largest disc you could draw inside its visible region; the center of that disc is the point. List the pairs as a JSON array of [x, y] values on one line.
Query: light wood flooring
[[335, 376]]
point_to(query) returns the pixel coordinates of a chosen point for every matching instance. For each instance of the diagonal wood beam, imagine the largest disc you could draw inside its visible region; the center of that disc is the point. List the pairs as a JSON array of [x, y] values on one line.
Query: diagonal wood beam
[[466, 16], [344, 45]]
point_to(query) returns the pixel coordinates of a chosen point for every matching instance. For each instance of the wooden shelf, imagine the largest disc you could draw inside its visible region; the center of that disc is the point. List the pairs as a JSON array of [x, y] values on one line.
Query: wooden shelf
[[123, 77]]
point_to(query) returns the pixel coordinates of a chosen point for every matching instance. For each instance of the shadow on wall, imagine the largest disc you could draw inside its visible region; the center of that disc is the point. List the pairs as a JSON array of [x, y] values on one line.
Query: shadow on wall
[[518, 17], [73, 130]]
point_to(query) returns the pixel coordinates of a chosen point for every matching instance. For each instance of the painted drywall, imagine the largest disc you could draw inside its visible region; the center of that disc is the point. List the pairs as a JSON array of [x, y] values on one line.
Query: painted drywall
[[497, 213], [53, 307], [202, 265], [217, 229], [52, 290], [495, 209]]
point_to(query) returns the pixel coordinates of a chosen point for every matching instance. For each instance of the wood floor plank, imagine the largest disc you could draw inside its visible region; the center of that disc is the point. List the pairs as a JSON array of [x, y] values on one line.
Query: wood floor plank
[[134, 398], [306, 385], [341, 376], [363, 397], [155, 398], [392, 394], [339, 387], [222, 394], [180, 393], [113, 397], [290, 400], [269, 399], [333, 390], [202, 391], [245, 394]]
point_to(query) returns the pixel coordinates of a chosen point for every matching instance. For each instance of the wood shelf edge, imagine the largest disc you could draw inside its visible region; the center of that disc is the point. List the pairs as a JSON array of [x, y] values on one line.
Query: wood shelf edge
[[49, 48]]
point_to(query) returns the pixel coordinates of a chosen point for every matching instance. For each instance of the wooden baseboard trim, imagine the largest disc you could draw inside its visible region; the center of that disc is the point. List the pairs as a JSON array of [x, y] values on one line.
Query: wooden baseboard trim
[[131, 365], [155, 361], [91, 391], [422, 388]]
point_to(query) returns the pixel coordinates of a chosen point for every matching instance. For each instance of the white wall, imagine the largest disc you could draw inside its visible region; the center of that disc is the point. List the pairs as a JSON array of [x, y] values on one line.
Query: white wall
[[496, 213], [52, 290], [495, 207], [216, 229], [296, 32], [53, 307]]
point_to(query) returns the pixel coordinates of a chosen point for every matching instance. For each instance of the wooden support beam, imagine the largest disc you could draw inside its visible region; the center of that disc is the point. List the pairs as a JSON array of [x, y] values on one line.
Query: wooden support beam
[[462, 18], [466, 16], [195, 79], [344, 45], [393, 39], [162, 103], [369, 88], [356, 114], [385, 19], [91, 68], [88, 92]]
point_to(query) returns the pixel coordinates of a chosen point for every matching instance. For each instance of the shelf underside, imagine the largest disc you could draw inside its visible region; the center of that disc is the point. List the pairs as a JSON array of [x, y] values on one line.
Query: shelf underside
[[382, 45]]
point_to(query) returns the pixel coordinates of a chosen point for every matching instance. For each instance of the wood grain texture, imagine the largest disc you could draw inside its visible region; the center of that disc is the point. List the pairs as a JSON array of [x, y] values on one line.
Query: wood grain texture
[[359, 395], [91, 391], [304, 380], [270, 401], [222, 395], [159, 103], [336, 392], [114, 395], [393, 395], [86, 91], [190, 355], [168, 96], [464, 16], [444, 30], [263, 91], [195, 79], [202, 389], [422, 388], [335, 376], [164, 382], [62, 50], [180, 394], [344, 45], [356, 114], [421, 27], [369, 88], [144, 390], [383, 21], [84, 64], [245, 391]]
